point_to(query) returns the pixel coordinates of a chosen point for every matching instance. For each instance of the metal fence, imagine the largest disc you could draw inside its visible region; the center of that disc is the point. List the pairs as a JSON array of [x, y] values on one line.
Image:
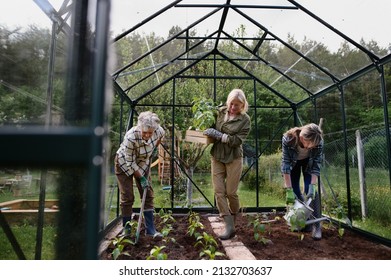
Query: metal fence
[[363, 190]]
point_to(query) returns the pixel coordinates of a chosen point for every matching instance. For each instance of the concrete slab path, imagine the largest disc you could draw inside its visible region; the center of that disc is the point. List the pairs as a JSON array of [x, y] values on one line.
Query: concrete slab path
[[234, 249]]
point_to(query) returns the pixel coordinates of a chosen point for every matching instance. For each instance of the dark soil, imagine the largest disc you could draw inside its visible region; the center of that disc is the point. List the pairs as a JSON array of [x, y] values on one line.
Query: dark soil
[[283, 244], [288, 245], [182, 249]]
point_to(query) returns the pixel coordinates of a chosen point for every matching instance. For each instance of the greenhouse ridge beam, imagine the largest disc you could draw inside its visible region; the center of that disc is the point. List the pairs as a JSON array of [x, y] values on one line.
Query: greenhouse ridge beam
[[164, 43], [170, 78], [164, 65], [258, 80], [270, 65], [222, 23], [288, 45], [215, 77], [224, 38], [236, 6]]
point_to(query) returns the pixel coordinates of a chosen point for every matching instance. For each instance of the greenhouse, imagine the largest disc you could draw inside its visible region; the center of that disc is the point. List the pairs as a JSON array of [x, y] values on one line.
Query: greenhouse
[[75, 76]]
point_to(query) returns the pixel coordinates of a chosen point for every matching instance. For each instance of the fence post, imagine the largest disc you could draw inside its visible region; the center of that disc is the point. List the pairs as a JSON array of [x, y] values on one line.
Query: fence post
[[361, 174]]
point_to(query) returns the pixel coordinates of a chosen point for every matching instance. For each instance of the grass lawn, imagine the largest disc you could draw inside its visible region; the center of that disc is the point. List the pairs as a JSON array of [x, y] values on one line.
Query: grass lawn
[[25, 236]]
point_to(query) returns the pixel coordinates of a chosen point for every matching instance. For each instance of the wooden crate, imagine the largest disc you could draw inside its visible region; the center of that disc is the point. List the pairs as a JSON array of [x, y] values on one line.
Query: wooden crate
[[197, 136]]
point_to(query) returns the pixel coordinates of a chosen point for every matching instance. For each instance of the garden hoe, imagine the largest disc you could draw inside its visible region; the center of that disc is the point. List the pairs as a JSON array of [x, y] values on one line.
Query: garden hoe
[[140, 217]]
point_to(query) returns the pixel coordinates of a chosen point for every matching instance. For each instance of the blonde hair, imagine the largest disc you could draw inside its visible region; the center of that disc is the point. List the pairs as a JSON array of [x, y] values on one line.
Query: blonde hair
[[147, 120], [310, 132], [239, 95]]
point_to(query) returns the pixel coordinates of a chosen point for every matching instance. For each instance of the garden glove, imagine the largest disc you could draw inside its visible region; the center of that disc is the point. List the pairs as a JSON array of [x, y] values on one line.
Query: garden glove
[[154, 153], [311, 191], [144, 182], [290, 196], [214, 133]]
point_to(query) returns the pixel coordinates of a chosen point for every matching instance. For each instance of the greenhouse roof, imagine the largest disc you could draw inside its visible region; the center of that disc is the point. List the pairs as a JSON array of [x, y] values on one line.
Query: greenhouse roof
[[190, 31], [304, 28]]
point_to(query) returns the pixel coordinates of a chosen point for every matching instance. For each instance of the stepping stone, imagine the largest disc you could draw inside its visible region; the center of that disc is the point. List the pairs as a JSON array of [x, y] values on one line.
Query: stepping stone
[[234, 249]]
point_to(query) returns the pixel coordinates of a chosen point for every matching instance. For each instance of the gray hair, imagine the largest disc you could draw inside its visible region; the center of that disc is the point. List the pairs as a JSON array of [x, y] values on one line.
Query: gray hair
[[147, 120]]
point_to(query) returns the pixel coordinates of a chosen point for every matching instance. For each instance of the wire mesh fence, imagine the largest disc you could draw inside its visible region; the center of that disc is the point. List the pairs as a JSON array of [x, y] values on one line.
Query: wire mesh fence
[[362, 190]]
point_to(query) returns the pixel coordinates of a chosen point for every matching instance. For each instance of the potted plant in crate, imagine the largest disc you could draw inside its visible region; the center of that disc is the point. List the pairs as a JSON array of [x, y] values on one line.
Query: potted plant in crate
[[204, 116]]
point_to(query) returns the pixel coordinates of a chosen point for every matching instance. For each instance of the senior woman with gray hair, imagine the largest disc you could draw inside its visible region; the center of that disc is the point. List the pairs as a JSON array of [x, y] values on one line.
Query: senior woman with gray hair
[[133, 161]]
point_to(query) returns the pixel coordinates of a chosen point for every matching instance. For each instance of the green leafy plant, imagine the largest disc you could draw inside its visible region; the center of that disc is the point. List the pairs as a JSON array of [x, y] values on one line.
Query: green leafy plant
[[209, 246], [166, 221], [204, 113], [120, 243], [340, 213], [194, 224], [166, 217], [297, 221], [259, 228], [157, 254]]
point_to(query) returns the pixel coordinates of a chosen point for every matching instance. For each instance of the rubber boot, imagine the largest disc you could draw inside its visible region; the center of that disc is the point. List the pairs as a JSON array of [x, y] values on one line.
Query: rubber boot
[[229, 228], [150, 229], [126, 231], [235, 218], [316, 227]]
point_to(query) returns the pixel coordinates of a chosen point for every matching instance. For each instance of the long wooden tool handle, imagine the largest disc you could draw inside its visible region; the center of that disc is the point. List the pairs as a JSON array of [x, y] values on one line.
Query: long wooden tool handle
[[140, 217]]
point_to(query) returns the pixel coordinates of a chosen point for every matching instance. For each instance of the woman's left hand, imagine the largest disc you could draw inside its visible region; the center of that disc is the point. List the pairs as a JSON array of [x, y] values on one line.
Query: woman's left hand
[[214, 133]]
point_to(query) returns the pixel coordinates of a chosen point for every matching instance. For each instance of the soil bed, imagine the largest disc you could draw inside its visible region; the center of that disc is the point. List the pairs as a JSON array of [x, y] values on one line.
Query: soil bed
[[182, 249], [283, 245], [288, 245]]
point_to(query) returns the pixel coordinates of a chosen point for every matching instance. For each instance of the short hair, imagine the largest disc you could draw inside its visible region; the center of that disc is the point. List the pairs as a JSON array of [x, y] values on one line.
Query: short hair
[[147, 120], [239, 95]]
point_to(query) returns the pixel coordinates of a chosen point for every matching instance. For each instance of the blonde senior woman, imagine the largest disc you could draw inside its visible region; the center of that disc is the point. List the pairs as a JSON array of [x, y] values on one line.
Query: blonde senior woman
[[132, 161], [231, 129]]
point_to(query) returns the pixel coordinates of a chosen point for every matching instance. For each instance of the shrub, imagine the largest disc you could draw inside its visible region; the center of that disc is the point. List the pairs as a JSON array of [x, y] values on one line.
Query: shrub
[[269, 175]]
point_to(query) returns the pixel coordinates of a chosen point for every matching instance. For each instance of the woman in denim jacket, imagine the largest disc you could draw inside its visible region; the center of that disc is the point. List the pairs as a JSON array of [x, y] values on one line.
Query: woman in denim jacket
[[302, 149]]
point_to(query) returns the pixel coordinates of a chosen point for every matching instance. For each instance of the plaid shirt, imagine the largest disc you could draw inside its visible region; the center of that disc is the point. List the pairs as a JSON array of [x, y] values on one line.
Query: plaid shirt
[[290, 154], [134, 152]]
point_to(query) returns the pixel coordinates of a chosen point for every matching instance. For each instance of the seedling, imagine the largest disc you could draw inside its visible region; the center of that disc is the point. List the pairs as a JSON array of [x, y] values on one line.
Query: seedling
[[120, 243], [156, 253], [209, 245], [259, 229], [204, 113], [297, 221], [195, 224], [340, 213]]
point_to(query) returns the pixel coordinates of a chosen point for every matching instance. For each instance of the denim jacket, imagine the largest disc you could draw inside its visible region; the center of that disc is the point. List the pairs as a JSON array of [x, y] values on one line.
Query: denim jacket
[[290, 153]]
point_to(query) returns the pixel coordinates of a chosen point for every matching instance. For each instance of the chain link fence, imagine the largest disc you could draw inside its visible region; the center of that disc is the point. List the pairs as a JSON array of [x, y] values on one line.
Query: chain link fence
[[364, 193]]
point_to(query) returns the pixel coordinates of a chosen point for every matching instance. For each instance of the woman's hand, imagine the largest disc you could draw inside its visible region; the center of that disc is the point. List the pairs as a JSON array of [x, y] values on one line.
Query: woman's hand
[[144, 182], [214, 133]]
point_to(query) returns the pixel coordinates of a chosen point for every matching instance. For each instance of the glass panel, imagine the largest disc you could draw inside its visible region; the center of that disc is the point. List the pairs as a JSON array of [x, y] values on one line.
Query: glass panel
[[26, 38]]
